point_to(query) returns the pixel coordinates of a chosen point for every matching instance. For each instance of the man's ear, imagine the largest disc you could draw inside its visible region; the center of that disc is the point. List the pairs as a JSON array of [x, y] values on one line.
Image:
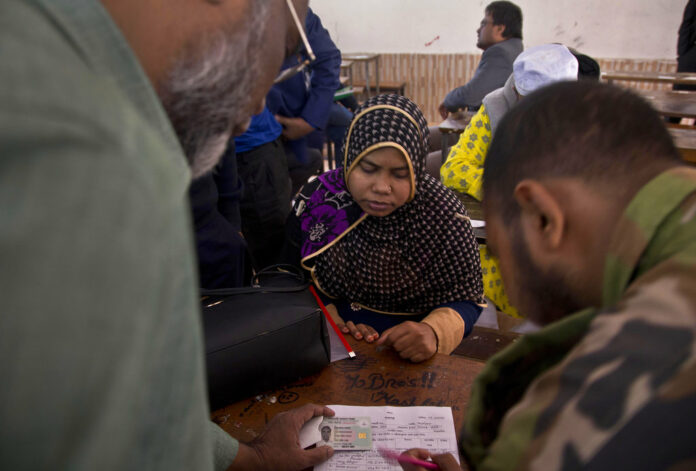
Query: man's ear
[[499, 30], [541, 216]]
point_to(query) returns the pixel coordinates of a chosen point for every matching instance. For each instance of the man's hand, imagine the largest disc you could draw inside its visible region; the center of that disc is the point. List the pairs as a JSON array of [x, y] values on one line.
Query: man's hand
[[446, 462], [359, 331], [413, 341], [443, 111], [294, 128], [278, 447]]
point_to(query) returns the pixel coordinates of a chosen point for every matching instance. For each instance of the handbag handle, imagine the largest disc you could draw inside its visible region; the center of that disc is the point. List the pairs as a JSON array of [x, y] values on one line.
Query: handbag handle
[[287, 272]]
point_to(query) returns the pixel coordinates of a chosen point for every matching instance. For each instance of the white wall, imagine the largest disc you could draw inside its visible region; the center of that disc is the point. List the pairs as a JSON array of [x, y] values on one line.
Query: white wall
[[632, 29]]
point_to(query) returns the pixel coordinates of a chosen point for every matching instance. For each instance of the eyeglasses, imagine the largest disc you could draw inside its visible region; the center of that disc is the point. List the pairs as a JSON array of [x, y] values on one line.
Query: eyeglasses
[[294, 70]]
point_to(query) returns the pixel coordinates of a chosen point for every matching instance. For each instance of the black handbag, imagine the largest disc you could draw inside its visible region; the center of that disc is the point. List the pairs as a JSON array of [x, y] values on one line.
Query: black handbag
[[261, 337]]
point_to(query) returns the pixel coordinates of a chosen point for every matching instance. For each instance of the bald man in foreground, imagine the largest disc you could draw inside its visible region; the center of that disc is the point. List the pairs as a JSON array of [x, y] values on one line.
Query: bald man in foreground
[[106, 112], [592, 215]]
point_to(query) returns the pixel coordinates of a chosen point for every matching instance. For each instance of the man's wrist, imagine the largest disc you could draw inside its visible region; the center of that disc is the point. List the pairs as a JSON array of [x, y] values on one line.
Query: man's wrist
[[248, 458]]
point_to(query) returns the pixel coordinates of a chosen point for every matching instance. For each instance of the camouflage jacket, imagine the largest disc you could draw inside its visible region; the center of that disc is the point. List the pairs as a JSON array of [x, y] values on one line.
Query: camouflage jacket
[[613, 388]]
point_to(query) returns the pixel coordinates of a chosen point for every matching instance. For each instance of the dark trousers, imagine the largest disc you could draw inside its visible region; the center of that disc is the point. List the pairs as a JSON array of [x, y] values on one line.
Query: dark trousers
[[265, 202]]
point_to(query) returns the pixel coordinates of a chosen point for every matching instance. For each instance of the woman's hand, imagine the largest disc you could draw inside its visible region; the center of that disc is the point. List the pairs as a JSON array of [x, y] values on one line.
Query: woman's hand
[[359, 331], [413, 341]]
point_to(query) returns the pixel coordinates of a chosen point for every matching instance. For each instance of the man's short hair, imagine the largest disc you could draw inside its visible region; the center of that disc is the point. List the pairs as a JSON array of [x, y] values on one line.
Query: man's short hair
[[605, 135], [508, 14]]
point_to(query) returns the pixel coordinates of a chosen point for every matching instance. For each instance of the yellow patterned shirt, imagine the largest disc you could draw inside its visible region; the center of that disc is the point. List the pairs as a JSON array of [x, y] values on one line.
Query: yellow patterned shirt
[[464, 166], [463, 172]]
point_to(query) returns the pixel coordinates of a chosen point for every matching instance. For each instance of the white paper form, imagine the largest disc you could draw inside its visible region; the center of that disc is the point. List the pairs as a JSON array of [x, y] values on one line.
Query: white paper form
[[399, 429]]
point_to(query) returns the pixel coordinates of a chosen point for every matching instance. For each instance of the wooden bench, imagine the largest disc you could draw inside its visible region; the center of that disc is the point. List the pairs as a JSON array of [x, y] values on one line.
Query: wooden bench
[[386, 86]]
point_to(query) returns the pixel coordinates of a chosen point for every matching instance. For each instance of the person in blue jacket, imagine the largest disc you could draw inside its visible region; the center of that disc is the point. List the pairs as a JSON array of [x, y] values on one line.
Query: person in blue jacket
[[240, 209], [302, 103]]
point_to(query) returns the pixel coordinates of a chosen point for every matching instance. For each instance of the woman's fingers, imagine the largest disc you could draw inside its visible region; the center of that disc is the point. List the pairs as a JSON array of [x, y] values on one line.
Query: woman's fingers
[[368, 333], [354, 330]]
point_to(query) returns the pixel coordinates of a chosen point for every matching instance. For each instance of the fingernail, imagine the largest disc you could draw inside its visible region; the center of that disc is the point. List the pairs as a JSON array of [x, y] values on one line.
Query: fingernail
[[358, 336]]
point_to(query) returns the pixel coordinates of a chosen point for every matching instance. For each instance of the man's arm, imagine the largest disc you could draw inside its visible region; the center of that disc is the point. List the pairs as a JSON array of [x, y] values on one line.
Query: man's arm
[[301, 110], [325, 73], [492, 72]]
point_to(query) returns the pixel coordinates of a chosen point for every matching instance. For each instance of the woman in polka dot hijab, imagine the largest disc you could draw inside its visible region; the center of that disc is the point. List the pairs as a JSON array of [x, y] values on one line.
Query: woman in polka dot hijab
[[389, 245]]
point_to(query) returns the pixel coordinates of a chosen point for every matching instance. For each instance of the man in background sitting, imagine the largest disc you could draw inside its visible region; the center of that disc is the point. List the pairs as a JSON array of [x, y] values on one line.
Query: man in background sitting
[[500, 38]]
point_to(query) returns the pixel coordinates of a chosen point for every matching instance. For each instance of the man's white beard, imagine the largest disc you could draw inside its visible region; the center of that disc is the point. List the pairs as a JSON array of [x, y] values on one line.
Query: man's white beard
[[207, 93]]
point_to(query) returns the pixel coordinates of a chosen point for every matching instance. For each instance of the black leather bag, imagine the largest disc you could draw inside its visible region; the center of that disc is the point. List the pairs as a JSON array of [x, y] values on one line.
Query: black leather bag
[[262, 337]]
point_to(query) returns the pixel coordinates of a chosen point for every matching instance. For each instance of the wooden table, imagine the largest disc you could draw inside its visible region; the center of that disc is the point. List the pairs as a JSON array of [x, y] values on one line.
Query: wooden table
[[677, 104], [484, 342], [366, 58], [347, 67], [376, 377], [475, 210], [685, 140], [683, 78], [473, 206]]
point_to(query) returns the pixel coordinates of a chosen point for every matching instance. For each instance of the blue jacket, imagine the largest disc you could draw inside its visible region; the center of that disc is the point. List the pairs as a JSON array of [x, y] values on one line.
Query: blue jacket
[[309, 95], [493, 70]]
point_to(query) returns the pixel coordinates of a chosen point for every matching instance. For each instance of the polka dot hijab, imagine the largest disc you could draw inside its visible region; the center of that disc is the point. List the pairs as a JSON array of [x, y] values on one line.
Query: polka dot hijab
[[420, 256]]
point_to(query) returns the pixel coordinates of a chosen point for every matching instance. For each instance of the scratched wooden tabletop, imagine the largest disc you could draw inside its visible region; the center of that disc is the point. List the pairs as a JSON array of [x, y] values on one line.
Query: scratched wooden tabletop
[[376, 377]]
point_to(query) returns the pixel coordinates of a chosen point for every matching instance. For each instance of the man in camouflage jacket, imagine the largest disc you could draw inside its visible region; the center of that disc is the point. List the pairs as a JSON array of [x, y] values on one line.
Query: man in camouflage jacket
[[593, 217]]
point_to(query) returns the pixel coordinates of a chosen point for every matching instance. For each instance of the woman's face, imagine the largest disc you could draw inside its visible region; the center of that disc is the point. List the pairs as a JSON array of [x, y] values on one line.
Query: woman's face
[[381, 181]]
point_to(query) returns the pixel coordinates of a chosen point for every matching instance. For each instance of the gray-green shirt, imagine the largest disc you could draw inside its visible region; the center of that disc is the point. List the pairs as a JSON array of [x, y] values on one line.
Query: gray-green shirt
[[101, 362]]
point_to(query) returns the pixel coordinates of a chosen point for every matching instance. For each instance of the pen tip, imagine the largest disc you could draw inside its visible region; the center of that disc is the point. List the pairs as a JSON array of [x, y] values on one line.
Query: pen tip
[[351, 354]]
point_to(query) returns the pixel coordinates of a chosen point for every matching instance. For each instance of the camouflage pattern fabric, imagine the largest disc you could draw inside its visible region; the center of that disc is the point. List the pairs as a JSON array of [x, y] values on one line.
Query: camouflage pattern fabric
[[613, 388]]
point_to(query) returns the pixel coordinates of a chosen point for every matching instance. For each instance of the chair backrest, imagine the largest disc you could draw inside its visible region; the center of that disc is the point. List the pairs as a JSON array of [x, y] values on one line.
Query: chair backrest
[[433, 162]]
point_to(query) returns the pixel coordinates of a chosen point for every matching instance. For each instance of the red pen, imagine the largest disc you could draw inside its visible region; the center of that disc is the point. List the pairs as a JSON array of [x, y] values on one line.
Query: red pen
[[351, 353], [392, 455]]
